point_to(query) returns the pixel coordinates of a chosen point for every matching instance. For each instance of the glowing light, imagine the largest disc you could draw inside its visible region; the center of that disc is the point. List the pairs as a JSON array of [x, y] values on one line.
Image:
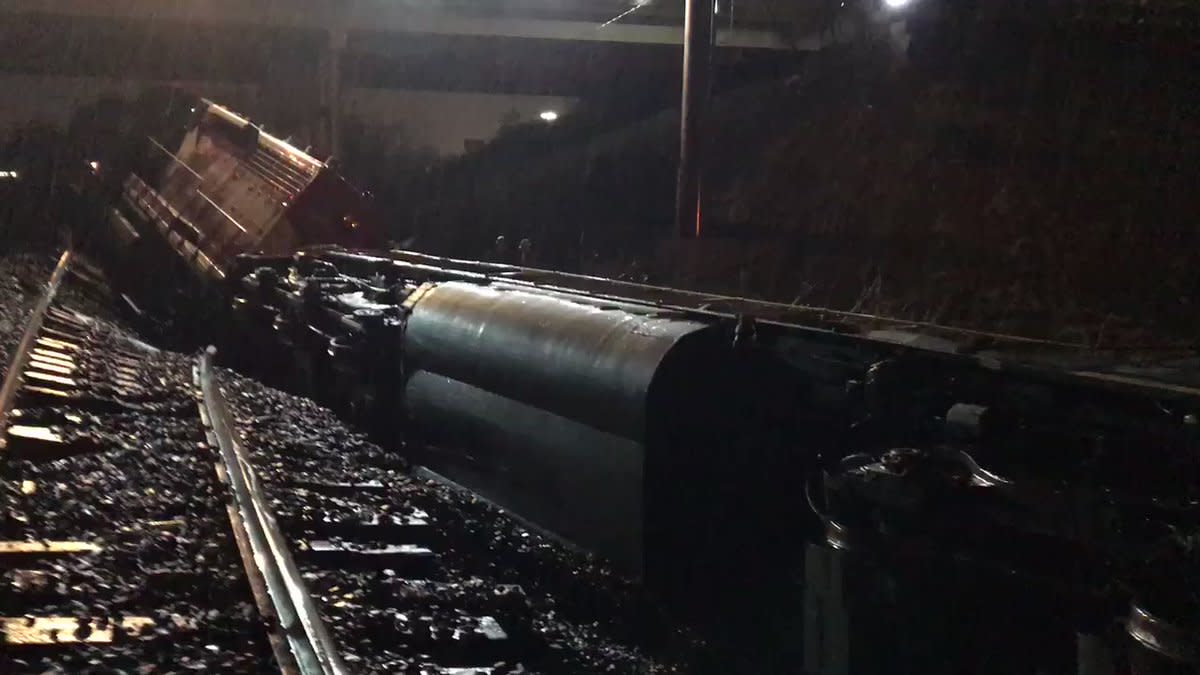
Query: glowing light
[[548, 115], [896, 4], [95, 166], [10, 175]]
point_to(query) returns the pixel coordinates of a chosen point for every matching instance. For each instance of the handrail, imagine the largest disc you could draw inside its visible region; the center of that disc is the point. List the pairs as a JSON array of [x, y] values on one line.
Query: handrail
[[174, 157], [701, 297], [221, 210]]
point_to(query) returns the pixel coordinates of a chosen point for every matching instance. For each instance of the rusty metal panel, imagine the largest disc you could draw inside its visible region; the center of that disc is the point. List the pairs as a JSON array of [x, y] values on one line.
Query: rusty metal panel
[[230, 189]]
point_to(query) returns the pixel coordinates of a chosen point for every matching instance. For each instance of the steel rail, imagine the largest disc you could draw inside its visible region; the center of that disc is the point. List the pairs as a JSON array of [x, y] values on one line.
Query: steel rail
[[20, 358], [270, 564]]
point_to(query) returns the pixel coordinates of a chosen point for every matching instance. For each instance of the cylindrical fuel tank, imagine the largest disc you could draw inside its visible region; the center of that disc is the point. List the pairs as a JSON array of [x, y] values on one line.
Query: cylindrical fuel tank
[[582, 358], [571, 478], [569, 410]]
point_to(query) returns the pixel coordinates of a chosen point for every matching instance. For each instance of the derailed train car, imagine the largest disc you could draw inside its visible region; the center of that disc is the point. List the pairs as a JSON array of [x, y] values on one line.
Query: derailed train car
[[570, 410], [919, 483], [717, 446], [219, 186]]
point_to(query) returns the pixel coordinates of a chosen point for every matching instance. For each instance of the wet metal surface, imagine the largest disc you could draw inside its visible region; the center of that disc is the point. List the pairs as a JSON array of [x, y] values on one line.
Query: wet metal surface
[[310, 645]]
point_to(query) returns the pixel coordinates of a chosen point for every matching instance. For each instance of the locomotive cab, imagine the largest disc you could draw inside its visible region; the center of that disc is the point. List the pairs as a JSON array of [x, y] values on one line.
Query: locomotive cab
[[227, 188]]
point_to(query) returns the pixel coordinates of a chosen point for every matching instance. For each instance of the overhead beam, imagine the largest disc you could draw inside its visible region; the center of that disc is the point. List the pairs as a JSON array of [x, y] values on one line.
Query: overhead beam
[[388, 16]]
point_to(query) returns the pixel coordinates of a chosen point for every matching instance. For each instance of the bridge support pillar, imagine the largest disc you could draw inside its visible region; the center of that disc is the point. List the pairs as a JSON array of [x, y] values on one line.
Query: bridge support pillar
[[331, 92]]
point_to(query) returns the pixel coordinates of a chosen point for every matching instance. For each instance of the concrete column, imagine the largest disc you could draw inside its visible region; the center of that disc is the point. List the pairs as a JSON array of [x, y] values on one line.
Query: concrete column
[[331, 91], [290, 100]]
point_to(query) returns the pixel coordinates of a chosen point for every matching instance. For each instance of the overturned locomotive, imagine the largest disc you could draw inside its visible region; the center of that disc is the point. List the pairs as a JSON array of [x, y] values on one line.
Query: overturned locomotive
[[212, 186], [717, 443]]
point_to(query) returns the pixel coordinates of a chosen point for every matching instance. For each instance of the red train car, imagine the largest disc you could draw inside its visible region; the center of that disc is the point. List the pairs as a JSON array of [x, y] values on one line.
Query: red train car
[[231, 188]]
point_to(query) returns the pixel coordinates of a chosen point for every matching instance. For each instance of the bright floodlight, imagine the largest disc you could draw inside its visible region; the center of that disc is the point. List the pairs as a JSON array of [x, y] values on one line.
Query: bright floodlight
[[548, 115], [896, 4]]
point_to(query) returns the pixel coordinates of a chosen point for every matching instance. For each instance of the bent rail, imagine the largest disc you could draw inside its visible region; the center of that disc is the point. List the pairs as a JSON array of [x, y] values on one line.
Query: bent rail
[[270, 564]]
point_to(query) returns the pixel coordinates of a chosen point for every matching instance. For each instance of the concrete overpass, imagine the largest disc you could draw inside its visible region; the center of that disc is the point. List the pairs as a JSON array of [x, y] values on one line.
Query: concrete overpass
[[309, 52], [575, 20]]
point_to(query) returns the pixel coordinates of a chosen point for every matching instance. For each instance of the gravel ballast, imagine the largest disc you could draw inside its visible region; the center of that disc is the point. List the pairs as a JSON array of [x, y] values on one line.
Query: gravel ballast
[[139, 485]]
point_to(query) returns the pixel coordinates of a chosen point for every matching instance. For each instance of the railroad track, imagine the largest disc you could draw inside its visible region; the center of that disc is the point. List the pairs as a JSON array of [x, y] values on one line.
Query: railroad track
[[338, 530], [300, 640], [114, 552], [412, 574], [158, 511]]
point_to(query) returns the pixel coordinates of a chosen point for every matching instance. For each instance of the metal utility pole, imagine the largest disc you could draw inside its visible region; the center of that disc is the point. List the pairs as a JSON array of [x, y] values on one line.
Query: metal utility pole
[[697, 65]]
